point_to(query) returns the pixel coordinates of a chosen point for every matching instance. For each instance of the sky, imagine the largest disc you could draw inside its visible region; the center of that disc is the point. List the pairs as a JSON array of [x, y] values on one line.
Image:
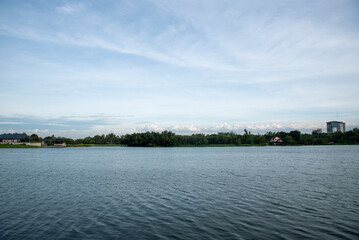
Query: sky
[[81, 68]]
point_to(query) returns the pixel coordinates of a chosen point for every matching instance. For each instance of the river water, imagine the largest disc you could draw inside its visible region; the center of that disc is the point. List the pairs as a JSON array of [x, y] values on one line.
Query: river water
[[271, 192]]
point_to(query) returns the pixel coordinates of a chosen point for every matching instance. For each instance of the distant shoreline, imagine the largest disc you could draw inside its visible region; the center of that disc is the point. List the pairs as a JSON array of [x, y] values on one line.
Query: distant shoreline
[[17, 146], [4, 146], [170, 139]]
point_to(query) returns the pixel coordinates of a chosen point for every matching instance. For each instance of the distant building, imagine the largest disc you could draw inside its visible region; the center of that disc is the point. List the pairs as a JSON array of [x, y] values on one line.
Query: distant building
[[317, 131], [335, 126], [59, 142], [12, 137], [276, 140], [53, 143]]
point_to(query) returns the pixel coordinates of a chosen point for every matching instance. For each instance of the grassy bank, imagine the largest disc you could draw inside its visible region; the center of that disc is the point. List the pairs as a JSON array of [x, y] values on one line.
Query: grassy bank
[[95, 145], [222, 145], [121, 145], [186, 145], [17, 146]]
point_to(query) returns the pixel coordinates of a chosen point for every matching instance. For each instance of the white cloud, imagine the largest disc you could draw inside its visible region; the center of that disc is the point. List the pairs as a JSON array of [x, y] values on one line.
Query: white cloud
[[150, 128], [57, 124], [70, 8], [38, 131], [185, 128], [10, 123], [225, 127], [234, 127]]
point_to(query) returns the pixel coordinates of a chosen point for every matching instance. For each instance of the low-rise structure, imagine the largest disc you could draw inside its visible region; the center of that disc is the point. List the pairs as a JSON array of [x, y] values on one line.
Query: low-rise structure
[[276, 140], [54, 143], [59, 142], [317, 131], [11, 138]]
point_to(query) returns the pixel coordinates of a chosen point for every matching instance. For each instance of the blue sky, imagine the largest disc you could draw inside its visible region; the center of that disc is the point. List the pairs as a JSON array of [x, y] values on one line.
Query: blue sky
[[80, 68]]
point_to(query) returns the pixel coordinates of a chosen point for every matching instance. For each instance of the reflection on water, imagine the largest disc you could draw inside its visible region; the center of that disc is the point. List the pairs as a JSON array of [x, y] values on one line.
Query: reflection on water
[[180, 193]]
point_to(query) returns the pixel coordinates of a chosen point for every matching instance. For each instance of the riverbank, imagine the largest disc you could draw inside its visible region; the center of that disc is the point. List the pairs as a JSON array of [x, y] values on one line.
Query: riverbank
[[95, 145], [187, 145], [17, 146], [121, 145]]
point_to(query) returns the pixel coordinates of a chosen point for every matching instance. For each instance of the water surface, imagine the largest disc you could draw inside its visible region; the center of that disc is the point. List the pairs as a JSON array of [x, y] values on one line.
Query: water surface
[[180, 193]]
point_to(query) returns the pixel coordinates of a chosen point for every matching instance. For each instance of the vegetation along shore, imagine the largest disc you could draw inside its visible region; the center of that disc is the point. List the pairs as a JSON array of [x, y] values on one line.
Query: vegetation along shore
[[170, 139]]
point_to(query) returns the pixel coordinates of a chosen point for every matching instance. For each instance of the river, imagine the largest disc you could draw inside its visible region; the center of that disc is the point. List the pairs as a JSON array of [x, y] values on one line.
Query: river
[[273, 192]]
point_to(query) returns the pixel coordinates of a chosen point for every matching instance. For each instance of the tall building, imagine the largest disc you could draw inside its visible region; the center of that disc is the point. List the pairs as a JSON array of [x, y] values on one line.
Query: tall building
[[335, 126]]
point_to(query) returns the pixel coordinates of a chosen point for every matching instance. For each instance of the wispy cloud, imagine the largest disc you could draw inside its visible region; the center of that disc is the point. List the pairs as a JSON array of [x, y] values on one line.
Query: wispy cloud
[[264, 46], [150, 128], [10, 123], [70, 8]]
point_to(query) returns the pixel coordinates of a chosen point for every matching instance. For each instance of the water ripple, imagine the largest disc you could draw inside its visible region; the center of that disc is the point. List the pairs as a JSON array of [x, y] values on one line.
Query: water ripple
[[176, 193]]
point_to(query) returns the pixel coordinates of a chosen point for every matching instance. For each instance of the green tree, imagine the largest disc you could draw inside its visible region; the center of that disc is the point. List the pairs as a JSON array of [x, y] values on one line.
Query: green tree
[[259, 139], [295, 135], [88, 140], [34, 138], [69, 141], [99, 139], [111, 138], [213, 139], [247, 137], [167, 139], [288, 140]]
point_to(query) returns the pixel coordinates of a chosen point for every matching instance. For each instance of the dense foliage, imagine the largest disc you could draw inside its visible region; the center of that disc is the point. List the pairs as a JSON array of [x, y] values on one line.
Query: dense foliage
[[170, 139]]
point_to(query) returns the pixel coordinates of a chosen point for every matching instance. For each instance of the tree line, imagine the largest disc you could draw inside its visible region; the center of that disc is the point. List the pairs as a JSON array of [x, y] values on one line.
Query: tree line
[[170, 139]]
